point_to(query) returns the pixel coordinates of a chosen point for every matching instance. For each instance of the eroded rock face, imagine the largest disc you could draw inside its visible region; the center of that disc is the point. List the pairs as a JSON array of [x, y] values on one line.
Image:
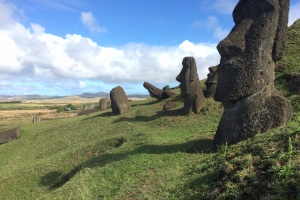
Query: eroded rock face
[[211, 82], [119, 101], [157, 93], [9, 135], [246, 71], [190, 86]]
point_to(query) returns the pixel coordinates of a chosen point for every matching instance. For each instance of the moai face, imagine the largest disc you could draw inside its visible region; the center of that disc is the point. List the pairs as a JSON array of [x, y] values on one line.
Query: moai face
[[187, 75], [249, 51]]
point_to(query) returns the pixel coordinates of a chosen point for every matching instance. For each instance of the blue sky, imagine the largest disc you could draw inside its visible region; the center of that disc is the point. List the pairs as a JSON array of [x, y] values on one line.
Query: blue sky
[[65, 47]]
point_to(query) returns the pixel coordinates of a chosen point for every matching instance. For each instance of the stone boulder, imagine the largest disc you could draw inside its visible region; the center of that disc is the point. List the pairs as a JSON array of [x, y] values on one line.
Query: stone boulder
[[246, 73], [190, 87], [211, 82], [9, 135], [119, 101]]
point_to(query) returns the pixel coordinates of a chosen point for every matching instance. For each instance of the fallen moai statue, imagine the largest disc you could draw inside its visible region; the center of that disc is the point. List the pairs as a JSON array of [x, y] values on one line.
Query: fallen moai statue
[[157, 93]]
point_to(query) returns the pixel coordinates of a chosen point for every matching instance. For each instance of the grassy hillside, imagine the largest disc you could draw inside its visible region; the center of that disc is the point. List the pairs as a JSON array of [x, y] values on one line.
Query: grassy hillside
[[149, 153], [288, 69]]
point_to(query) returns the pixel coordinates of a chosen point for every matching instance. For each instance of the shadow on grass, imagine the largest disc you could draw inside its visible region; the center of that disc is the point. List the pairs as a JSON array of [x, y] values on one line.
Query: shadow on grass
[[106, 114], [140, 118], [197, 146], [145, 104]]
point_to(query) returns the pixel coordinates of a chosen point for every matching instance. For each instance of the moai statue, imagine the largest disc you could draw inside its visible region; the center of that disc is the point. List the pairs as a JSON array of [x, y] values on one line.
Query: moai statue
[[36, 119], [104, 103], [157, 93], [153, 91], [246, 71], [190, 86], [211, 82], [167, 92], [119, 101]]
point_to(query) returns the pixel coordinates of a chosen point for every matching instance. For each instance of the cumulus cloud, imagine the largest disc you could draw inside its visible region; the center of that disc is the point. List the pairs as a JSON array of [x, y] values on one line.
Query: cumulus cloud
[[294, 13], [36, 59], [88, 20]]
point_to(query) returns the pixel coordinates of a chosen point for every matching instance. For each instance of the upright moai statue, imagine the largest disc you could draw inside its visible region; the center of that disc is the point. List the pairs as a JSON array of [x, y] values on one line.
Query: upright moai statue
[[36, 118], [104, 103], [190, 86], [119, 101], [246, 71], [211, 82]]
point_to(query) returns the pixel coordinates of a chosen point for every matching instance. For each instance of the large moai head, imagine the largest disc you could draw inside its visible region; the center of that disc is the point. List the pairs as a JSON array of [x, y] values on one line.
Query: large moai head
[[246, 71], [249, 51]]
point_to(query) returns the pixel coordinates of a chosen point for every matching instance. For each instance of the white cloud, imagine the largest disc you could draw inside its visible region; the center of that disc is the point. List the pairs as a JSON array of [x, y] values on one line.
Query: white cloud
[[31, 55], [224, 6], [294, 13], [88, 19]]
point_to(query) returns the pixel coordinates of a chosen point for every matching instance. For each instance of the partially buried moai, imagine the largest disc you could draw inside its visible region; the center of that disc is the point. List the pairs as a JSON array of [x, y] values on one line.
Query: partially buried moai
[[119, 101], [211, 81], [246, 71], [190, 86]]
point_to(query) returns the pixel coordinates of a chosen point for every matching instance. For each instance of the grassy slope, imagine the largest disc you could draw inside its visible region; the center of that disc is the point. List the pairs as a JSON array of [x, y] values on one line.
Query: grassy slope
[[148, 153]]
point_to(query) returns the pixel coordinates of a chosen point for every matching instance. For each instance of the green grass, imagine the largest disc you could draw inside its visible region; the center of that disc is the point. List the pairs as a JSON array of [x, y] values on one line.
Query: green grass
[[146, 153]]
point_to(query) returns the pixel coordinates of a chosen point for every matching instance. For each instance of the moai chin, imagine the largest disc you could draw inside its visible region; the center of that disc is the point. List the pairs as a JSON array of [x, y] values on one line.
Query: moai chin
[[246, 71]]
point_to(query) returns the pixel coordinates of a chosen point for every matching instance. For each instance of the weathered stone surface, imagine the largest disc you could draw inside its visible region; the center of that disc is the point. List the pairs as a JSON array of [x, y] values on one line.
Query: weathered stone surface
[[259, 112], [167, 92], [9, 135], [211, 81], [104, 103], [119, 101], [157, 93], [190, 86], [153, 91], [246, 71], [36, 118], [249, 51]]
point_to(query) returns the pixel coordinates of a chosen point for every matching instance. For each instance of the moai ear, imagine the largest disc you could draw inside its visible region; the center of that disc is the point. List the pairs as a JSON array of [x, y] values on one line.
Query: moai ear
[[280, 37], [193, 70]]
